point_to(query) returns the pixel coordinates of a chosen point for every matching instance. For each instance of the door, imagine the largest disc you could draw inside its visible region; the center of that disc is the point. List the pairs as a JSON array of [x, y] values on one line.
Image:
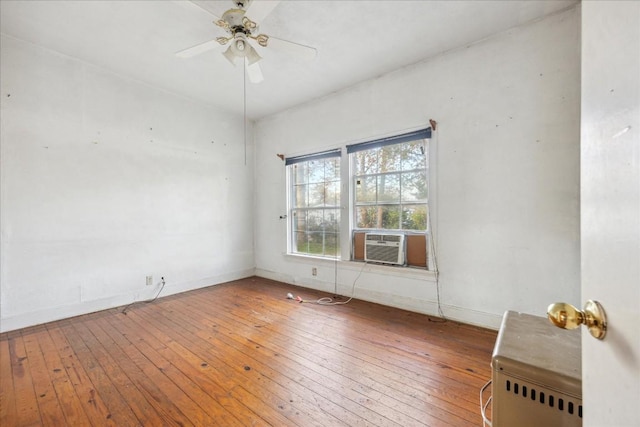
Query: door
[[610, 209]]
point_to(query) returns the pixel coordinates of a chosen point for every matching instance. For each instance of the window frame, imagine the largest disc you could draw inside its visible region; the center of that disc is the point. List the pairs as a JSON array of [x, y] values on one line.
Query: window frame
[[423, 135], [347, 207], [292, 209]]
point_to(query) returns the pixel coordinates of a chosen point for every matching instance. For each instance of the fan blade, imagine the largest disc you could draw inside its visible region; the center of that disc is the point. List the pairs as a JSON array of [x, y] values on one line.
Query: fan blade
[[254, 72], [297, 49], [198, 49], [260, 9], [202, 5]]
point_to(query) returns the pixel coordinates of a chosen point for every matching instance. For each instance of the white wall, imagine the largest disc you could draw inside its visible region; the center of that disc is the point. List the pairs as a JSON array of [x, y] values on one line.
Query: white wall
[[507, 166], [106, 180]]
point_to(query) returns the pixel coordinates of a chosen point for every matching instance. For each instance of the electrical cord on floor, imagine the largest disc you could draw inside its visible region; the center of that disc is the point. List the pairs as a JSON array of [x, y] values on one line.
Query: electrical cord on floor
[[329, 300], [124, 310]]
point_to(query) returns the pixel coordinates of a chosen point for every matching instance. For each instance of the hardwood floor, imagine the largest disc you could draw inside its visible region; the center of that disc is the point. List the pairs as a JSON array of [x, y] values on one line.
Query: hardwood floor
[[241, 354]]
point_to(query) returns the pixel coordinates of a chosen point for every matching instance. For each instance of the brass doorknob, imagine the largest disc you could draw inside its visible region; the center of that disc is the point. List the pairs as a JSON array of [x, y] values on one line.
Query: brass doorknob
[[566, 316]]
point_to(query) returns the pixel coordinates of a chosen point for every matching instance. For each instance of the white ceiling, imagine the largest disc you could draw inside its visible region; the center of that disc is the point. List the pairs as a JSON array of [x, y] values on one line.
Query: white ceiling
[[356, 41]]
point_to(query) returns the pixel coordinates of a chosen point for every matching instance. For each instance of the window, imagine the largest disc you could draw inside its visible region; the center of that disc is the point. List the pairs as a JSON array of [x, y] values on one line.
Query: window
[[390, 187], [389, 183], [314, 204], [390, 190]]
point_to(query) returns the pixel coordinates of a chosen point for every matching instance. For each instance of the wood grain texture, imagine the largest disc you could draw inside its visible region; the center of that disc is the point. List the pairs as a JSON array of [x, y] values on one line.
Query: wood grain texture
[[241, 354]]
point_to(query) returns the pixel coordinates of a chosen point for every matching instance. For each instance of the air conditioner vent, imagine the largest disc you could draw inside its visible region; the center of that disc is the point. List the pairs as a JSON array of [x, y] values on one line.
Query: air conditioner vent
[[384, 248]]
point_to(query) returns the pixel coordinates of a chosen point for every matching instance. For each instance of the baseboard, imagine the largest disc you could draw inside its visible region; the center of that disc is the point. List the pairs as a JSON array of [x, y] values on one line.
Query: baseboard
[[64, 312], [451, 312]]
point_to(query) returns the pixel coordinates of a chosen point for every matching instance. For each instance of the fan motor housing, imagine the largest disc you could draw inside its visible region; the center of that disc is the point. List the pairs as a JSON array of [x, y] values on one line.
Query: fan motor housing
[[234, 18]]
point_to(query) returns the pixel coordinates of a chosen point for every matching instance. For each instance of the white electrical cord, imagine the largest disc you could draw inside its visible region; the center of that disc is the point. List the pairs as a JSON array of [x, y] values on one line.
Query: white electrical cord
[[432, 244], [329, 300]]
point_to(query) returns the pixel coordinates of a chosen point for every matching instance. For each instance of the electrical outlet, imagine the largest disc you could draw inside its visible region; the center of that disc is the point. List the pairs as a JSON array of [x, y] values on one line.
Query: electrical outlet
[[314, 271], [149, 280]]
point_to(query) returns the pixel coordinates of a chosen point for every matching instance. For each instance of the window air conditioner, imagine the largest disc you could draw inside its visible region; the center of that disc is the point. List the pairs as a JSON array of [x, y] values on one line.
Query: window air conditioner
[[384, 248]]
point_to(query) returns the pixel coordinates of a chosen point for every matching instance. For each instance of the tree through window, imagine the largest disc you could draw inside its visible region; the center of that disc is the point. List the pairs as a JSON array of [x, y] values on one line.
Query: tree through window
[[391, 186]]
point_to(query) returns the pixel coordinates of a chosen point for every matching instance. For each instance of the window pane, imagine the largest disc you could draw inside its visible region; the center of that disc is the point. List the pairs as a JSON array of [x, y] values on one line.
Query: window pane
[[300, 196], [414, 217], [382, 217], [332, 220], [366, 162], [414, 187], [389, 158], [316, 194], [366, 189], [299, 172], [300, 242], [332, 197], [389, 188], [332, 169], [299, 220], [414, 155], [316, 171], [390, 216], [314, 220], [316, 244], [331, 244], [366, 217]]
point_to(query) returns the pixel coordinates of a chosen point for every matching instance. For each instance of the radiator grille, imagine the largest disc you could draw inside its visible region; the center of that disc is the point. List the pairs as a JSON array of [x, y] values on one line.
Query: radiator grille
[[546, 398]]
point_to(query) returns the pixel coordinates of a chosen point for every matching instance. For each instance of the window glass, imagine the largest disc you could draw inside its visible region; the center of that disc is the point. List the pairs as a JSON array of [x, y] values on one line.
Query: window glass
[[315, 206], [390, 187], [389, 182]]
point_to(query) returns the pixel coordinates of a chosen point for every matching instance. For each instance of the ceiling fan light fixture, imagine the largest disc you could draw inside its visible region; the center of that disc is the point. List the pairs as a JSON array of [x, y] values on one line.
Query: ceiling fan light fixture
[[230, 55], [241, 48], [240, 29], [252, 56]]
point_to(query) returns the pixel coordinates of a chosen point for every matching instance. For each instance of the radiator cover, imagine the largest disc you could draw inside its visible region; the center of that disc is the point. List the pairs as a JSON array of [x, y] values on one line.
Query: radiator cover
[[537, 379]]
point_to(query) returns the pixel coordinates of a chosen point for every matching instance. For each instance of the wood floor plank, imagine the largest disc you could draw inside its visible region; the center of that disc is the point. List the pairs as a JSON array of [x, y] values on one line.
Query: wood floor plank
[[129, 369], [91, 401], [50, 409], [25, 397], [115, 398], [242, 354], [7, 391], [187, 382], [65, 392]]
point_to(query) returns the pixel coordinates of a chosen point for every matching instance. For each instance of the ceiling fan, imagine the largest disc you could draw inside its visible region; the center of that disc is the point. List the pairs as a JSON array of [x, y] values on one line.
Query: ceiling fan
[[240, 30]]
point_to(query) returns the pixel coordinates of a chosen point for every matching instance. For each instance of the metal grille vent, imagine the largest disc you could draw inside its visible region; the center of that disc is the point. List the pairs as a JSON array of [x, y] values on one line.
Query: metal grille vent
[[384, 248], [548, 399]]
